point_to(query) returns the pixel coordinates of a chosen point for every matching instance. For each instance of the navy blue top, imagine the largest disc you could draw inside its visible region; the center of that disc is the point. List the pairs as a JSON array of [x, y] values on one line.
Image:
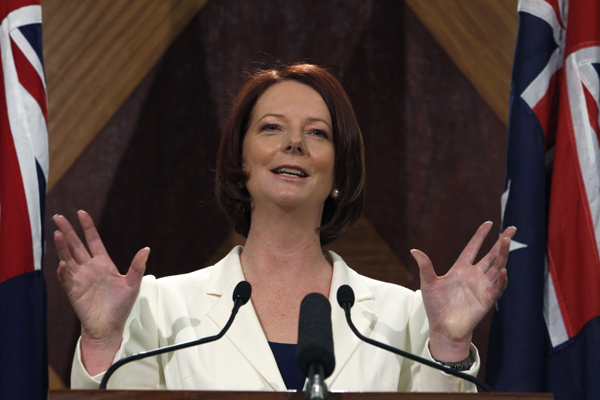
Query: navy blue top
[[285, 355]]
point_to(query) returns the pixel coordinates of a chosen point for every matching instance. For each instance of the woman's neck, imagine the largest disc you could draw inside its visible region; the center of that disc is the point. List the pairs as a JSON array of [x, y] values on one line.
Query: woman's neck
[[283, 261], [284, 246]]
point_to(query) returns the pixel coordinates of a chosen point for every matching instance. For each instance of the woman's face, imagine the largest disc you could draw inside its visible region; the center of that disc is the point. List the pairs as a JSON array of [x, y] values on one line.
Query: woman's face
[[288, 149]]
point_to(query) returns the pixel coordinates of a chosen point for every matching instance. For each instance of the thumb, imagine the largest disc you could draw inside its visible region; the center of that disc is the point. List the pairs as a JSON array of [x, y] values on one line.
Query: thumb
[[138, 266], [427, 272]]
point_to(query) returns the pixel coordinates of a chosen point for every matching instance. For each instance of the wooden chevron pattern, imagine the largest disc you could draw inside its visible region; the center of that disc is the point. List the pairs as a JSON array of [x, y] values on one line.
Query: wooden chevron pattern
[[96, 53], [479, 36]]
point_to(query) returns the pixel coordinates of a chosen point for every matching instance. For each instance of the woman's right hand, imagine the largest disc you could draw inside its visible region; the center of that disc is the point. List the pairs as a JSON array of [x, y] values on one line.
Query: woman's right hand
[[101, 296]]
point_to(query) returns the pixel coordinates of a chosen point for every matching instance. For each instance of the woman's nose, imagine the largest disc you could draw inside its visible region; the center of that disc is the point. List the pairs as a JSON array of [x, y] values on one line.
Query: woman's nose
[[295, 144]]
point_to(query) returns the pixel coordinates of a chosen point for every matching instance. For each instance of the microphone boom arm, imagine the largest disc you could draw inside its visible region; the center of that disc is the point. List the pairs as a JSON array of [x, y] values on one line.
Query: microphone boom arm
[[240, 297], [449, 370]]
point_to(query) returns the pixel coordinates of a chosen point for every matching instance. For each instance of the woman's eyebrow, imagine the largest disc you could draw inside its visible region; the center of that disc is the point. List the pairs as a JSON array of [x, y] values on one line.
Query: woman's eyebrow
[[312, 119], [271, 115], [309, 119]]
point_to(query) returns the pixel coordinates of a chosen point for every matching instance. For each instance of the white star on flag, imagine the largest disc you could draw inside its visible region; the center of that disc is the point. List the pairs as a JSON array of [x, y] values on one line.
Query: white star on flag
[[514, 245]]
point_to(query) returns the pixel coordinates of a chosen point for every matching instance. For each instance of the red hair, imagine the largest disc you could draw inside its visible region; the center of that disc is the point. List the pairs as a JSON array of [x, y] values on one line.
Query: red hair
[[349, 166]]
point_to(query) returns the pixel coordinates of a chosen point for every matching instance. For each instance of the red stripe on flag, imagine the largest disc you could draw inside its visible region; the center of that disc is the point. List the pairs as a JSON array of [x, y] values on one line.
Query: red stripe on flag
[[30, 79], [556, 6], [573, 256], [546, 111], [16, 248], [7, 6], [585, 30]]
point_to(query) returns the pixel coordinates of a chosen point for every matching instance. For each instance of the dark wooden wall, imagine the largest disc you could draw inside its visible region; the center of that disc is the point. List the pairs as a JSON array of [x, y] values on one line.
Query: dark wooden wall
[[434, 148]]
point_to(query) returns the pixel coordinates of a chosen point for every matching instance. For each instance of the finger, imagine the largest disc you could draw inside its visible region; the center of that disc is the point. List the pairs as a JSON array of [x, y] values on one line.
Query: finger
[[62, 249], [510, 231], [499, 285], [470, 252], [78, 250], [427, 272], [91, 234], [63, 274], [491, 258], [138, 266], [499, 262]]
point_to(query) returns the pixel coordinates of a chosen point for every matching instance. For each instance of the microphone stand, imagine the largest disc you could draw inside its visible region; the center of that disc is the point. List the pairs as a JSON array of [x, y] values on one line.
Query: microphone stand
[[238, 302], [316, 389]]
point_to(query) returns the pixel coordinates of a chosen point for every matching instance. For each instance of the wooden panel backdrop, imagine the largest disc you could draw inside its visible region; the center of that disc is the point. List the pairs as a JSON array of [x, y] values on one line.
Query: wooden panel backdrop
[[96, 53], [139, 90]]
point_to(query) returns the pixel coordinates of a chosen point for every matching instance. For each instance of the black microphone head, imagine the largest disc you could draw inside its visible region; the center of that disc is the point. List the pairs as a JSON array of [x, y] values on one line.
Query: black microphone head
[[345, 294], [242, 291], [315, 337]]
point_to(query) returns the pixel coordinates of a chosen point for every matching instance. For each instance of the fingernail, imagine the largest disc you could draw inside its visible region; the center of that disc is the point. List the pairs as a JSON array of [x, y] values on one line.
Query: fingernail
[[80, 211], [54, 216], [55, 232], [147, 248]]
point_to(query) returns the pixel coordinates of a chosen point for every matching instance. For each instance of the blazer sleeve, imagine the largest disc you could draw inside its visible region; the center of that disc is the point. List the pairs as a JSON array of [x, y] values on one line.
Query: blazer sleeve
[[141, 333]]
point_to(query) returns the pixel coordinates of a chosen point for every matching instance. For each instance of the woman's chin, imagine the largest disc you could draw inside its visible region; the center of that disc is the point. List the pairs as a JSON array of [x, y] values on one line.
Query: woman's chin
[[291, 200], [297, 202]]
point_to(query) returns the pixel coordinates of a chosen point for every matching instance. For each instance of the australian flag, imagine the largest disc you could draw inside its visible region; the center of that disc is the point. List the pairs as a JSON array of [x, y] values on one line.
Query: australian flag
[[546, 330], [23, 179]]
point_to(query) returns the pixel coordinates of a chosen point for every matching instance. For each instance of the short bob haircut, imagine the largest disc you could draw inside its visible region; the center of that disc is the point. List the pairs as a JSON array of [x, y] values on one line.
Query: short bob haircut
[[349, 165]]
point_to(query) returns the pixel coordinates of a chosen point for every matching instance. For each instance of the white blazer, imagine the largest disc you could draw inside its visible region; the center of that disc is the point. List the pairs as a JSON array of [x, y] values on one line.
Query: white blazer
[[185, 307]]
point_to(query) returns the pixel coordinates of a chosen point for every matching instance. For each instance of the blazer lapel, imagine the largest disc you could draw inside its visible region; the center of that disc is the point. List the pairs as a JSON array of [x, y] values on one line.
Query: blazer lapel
[[246, 333], [345, 341]]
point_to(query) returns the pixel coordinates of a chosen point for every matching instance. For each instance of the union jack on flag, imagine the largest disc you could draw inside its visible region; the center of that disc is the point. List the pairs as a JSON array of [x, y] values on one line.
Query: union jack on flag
[[23, 180], [546, 331]]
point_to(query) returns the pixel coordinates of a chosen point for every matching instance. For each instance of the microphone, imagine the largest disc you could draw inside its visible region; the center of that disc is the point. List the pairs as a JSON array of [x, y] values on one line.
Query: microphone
[[345, 298], [241, 295], [314, 355]]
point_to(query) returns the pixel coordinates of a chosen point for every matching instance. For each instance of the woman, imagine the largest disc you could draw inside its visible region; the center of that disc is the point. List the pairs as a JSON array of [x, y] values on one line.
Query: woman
[[290, 173]]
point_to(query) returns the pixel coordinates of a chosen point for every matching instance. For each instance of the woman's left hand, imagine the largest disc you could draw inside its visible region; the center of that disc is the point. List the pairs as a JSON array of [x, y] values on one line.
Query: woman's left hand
[[456, 302]]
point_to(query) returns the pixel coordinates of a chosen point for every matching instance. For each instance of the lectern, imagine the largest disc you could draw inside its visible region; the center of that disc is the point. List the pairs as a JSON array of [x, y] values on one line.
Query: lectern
[[206, 395]]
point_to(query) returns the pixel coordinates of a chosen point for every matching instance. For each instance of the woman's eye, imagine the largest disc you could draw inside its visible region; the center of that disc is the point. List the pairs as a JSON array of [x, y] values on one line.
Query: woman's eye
[[270, 127], [318, 132]]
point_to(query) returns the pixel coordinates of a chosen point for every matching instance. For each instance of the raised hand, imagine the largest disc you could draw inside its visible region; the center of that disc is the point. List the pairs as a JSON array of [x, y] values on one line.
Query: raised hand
[[101, 296], [456, 302]]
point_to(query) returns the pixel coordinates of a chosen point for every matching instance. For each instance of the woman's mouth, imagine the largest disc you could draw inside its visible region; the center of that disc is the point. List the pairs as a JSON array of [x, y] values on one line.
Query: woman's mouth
[[290, 171]]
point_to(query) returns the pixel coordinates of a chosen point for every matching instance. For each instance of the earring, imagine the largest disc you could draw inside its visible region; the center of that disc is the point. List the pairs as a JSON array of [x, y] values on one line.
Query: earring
[[335, 193]]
